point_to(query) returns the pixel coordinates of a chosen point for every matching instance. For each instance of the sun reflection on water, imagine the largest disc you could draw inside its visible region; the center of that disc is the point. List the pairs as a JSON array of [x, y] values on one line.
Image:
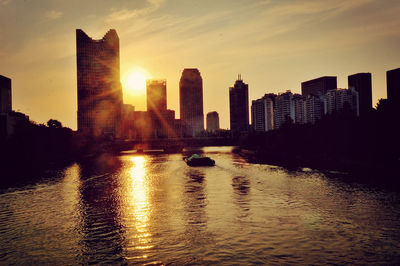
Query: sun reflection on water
[[139, 204]]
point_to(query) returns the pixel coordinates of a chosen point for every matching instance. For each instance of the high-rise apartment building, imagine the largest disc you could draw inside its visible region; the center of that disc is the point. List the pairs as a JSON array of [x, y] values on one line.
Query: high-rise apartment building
[[262, 113], [239, 106], [318, 86], [314, 107], [283, 109], [362, 84], [5, 95], [99, 86], [191, 100], [212, 121], [299, 109], [347, 100], [258, 115], [393, 88]]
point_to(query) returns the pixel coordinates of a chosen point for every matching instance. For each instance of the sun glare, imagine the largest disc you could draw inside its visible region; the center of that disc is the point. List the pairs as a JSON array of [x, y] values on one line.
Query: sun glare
[[134, 81]]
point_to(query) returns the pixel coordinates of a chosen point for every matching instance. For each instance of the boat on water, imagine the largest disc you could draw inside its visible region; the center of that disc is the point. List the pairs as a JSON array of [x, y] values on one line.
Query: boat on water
[[197, 160]]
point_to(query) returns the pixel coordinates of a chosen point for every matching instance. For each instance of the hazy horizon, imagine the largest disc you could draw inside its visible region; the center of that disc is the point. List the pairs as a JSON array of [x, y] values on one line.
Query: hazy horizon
[[274, 45]]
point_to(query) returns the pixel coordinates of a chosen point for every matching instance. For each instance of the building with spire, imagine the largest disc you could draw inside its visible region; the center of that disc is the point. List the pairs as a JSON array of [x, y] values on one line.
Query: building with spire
[[191, 101], [239, 106], [98, 83]]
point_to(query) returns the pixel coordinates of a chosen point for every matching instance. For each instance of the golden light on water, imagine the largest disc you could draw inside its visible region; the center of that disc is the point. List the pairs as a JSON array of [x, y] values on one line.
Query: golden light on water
[[139, 203]]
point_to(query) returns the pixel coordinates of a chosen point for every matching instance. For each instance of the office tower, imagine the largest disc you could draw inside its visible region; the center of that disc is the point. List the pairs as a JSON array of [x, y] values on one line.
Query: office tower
[[362, 84], [283, 109], [239, 106], [156, 91], [99, 86], [318, 86], [5, 95], [393, 88], [212, 121], [191, 100]]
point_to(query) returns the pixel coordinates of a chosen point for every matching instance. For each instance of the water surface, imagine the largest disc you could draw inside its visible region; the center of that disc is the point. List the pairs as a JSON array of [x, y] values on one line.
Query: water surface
[[137, 209]]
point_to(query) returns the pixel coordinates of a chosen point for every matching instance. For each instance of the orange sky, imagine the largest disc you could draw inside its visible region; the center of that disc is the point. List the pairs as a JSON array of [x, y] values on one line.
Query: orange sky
[[275, 45]]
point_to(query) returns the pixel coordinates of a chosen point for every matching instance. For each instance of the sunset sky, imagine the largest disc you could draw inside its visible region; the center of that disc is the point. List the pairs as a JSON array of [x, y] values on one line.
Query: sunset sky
[[274, 44]]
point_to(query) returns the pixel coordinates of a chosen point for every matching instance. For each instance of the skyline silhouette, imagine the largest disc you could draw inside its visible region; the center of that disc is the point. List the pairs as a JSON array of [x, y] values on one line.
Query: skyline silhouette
[[275, 45]]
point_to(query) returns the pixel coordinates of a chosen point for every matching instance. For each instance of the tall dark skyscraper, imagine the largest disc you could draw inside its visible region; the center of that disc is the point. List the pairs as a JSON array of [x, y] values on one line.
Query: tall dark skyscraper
[[318, 86], [99, 86], [191, 100], [156, 91], [239, 106], [362, 84], [5, 95], [393, 87]]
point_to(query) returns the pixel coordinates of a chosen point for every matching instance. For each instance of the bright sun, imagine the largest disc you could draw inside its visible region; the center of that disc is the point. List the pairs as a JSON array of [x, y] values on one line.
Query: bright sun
[[134, 81]]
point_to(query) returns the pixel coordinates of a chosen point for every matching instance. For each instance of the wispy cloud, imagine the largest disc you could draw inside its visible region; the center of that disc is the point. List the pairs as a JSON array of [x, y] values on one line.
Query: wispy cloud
[[126, 14], [53, 14], [4, 2]]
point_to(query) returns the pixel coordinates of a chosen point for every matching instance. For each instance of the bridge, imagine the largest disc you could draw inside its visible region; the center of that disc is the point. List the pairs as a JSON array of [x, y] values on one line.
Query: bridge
[[171, 145]]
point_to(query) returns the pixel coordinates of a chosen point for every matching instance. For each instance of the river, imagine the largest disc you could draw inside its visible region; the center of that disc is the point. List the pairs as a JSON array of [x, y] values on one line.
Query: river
[[154, 209]]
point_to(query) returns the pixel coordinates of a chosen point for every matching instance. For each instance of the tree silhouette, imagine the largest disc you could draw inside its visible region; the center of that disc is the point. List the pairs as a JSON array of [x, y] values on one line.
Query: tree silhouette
[[52, 123]]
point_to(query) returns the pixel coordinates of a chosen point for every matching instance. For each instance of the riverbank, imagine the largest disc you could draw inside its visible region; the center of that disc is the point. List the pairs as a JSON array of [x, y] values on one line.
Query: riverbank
[[372, 171]]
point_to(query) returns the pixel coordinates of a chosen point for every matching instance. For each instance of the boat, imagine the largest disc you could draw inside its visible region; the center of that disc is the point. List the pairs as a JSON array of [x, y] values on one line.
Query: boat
[[197, 160]]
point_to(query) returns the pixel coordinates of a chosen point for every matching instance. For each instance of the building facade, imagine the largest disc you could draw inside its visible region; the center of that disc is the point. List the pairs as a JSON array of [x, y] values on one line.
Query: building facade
[[393, 88], [347, 100], [239, 106], [191, 100], [314, 109], [258, 115], [318, 86], [98, 83], [299, 109], [283, 109], [362, 84], [5, 95], [156, 92], [212, 121]]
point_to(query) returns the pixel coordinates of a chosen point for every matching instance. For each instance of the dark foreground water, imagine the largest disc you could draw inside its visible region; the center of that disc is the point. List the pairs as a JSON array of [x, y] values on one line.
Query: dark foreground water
[[138, 209]]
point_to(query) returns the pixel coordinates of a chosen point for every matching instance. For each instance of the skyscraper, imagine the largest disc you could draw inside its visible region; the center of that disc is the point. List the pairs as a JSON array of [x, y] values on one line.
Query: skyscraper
[[191, 100], [156, 91], [239, 106], [318, 86], [212, 121], [362, 84], [5, 95], [99, 86], [393, 87]]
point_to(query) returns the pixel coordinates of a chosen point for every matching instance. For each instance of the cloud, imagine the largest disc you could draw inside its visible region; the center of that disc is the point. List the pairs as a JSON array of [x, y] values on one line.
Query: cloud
[[126, 14], [53, 14], [4, 2]]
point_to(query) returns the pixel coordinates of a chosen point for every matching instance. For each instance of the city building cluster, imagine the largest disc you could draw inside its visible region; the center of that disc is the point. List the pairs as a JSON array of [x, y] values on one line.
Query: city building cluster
[[101, 111], [319, 97]]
